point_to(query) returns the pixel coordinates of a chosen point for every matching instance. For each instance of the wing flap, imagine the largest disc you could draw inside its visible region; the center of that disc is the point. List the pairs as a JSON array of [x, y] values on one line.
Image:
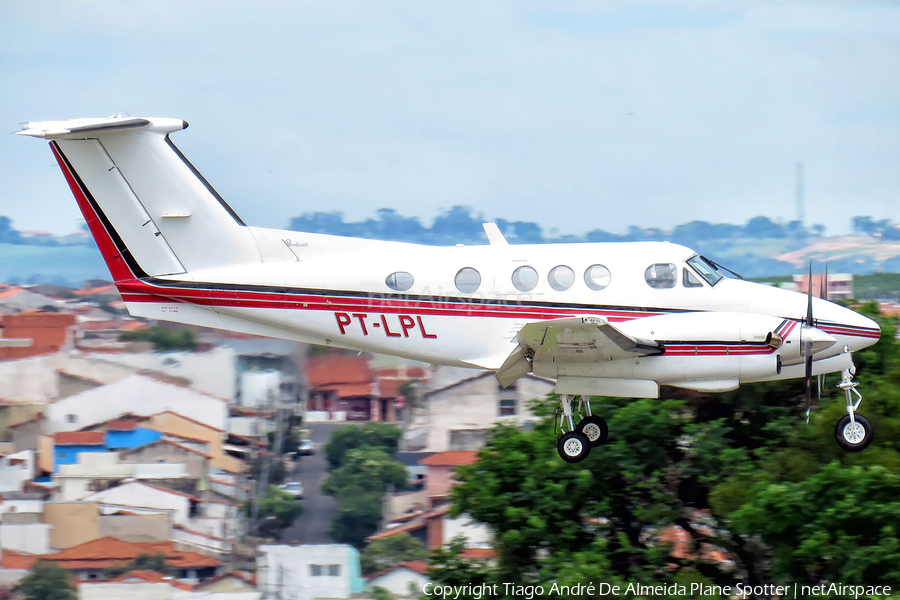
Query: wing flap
[[573, 339]]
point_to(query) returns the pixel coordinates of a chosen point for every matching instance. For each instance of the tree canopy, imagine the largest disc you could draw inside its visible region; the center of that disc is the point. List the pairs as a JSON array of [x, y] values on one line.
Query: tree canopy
[[48, 581], [372, 433], [358, 486]]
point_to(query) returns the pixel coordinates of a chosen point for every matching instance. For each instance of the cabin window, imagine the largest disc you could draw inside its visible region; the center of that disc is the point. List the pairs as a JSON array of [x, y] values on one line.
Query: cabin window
[[399, 281], [467, 280], [525, 279], [661, 275], [688, 280], [597, 277], [561, 278]]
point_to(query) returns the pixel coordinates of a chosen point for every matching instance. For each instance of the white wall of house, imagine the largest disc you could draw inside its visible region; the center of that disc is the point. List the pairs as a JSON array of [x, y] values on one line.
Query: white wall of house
[[33, 538], [259, 388], [15, 470], [22, 505], [290, 570], [74, 480], [459, 414], [478, 535], [201, 543], [137, 494], [139, 395], [210, 372], [247, 426], [142, 590], [401, 582]]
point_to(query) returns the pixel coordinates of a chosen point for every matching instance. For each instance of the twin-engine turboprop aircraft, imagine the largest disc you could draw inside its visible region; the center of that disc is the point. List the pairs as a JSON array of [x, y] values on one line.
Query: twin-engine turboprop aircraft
[[616, 319]]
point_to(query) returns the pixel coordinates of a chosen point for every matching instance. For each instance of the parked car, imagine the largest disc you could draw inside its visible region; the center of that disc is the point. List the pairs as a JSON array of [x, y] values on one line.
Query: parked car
[[294, 488], [306, 447]]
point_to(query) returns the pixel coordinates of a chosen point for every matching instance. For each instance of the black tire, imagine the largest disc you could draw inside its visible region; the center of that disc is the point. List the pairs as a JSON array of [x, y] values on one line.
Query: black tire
[[573, 447], [594, 429], [853, 439]]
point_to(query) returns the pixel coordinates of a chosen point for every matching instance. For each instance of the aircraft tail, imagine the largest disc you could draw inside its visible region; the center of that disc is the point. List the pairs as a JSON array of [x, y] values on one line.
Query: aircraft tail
[[150, 211]]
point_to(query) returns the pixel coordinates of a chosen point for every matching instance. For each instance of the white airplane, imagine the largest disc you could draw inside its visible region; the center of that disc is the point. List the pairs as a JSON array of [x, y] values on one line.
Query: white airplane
[[613, 319]]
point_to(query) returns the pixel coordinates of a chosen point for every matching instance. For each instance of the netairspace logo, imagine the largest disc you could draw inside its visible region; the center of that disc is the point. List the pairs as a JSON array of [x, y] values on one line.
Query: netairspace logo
[[529, 592]]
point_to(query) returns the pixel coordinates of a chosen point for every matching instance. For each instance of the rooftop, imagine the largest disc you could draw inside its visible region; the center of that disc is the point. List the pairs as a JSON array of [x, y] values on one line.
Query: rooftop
[[79, 438], [450, 458]]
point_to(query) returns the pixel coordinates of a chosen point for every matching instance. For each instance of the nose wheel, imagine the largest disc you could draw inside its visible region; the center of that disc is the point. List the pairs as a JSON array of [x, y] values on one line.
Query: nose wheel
[[577, 440]]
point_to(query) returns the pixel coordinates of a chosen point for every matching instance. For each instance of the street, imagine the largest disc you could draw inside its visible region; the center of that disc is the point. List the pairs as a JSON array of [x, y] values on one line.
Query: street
[[313, 525]]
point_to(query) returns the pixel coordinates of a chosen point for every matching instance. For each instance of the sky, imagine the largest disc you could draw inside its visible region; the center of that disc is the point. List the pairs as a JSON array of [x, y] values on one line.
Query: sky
[[575, 115]]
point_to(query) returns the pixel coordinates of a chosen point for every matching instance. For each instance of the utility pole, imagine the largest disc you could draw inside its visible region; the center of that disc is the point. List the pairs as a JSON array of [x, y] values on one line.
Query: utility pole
[[262, 486]]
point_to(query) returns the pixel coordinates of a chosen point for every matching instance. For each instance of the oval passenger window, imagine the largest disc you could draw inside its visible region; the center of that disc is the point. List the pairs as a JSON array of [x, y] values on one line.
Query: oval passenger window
[[399, 281], [597, 277], [561, 278], [467, 280], [525, 278]]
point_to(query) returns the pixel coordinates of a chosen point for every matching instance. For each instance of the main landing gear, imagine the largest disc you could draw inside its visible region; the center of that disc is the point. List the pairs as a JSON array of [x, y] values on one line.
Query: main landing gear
[[853, 432], [577, 440]]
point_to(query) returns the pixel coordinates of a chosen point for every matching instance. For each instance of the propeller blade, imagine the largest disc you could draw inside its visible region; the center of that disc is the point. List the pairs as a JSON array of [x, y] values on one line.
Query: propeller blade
[[809, 315], [807, 346]]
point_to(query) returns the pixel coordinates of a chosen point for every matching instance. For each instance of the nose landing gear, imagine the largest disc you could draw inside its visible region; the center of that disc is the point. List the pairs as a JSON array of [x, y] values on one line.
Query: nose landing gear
[[853, 432], [577, 440]]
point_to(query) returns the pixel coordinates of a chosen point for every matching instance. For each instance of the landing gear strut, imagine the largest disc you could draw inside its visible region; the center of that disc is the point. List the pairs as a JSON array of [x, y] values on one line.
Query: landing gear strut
[[577, 440], [853, 432]]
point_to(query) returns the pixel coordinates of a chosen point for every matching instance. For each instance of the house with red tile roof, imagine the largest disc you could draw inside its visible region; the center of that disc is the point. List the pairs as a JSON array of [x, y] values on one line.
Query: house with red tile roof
[[92, 560], [345, 387]]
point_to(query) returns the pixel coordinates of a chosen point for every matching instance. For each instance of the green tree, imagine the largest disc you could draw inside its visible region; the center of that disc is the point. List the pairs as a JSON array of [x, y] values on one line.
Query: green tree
[[358, 486], [48, 581], [164, 340], [150, 562], [277, 511], [372, 433], [386, 552]]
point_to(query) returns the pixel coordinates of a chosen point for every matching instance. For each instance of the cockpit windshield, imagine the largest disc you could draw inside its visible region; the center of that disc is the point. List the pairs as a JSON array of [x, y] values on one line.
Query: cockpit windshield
[[705, 269]]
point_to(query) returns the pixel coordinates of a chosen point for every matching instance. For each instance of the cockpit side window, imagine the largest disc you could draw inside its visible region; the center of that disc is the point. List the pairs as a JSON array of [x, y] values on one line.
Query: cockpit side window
[[688, 280], [661, 275], [705, 270]]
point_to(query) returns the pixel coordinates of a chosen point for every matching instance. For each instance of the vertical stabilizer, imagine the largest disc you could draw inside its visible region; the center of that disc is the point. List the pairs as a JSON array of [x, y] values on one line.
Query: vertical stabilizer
[[165, 219]]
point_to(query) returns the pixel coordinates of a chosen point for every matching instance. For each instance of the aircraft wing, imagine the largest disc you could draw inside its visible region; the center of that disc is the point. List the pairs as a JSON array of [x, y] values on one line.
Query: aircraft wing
[[573, 339]]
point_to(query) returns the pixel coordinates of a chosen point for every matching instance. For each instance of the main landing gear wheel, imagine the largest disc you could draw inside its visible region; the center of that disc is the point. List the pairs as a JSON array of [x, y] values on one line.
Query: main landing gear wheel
[[573, 447], [594, 429], [853, 436]]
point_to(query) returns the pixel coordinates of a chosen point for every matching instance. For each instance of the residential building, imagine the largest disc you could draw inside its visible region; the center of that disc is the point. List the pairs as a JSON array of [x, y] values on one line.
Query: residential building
[[345, 387], [432, 524], [134, 585], [91, 560], [96, 471], [33, 333], [75, 522], [840, 285], [21, 526], [203, 514], [16, 469], [461, 405], [138, 395], [406, 580], [309, 571]]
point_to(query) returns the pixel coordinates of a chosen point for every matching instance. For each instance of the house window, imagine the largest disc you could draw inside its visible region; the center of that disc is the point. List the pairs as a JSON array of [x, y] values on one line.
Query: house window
[[334, 570], [315, 570], [508, 407], [325, 570], [194, 510], [71, 418]]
